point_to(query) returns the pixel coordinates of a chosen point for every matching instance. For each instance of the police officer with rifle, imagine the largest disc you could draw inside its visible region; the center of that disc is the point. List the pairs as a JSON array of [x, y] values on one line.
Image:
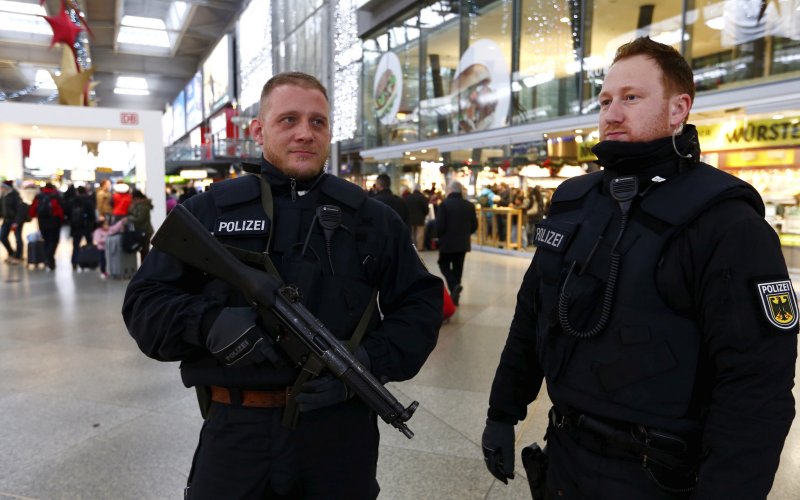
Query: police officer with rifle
[[658, 310], [286, 419]]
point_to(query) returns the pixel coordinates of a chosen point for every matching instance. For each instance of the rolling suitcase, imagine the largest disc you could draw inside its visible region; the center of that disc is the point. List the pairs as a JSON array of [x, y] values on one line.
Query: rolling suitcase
[[88, 257], [36, 251], [119, 264]]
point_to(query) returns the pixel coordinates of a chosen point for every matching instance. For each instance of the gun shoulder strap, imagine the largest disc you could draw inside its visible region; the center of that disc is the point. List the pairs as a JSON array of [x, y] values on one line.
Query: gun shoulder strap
[[313, 366]]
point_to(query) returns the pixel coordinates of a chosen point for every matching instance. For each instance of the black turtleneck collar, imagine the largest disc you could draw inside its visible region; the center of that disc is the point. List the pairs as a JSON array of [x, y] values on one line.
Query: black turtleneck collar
[[281, 183], [648, 160]]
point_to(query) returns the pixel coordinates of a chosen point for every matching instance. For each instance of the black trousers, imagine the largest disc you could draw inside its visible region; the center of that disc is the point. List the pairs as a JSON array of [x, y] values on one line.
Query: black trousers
[[245, 453], [5, 230], [51, 237], [77, 238], [577, 473], [452, 266]]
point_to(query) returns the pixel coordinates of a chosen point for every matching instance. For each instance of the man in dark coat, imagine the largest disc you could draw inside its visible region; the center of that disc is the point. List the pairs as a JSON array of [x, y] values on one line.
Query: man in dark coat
[[417, 211], [385, 195], [455, 223], [13, 220]]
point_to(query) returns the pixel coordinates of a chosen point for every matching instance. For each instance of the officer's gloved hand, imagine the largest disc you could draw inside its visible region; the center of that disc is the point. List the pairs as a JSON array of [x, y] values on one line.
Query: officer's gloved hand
[[498, 449], [327, 390], [236, 339]]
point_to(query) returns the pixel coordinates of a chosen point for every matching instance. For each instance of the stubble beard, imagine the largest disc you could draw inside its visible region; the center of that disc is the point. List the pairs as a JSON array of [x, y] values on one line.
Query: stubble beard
[[297, 173]]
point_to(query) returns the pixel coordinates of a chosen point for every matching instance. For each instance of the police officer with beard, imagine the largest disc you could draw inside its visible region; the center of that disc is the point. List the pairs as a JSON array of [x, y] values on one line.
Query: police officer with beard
[[342, 250], [657, 308]]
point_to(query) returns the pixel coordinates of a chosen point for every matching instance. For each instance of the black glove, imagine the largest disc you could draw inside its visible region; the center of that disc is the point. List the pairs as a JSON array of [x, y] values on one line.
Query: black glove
[[327, 390], [236, 339], [498, 449]]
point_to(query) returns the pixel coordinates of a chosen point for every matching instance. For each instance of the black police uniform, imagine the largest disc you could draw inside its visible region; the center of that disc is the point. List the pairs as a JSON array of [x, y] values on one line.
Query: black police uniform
[[169, 308], [666, 335]]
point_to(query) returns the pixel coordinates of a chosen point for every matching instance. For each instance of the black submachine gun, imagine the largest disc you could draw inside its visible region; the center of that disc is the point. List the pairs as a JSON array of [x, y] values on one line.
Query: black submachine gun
[[300, 334]]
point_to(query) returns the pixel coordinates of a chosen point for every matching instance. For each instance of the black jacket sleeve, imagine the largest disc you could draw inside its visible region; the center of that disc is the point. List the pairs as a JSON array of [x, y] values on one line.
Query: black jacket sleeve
[[164, 306], [519, 376], [411, 301], [747, 375]]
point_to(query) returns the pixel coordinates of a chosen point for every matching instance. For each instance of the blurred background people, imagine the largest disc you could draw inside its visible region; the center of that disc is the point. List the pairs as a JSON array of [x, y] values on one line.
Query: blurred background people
[[47, 208], [455, 223], [121, 200], [384, 194], [81, 221], [139, 216], [417, 204], [103, 201], [14, 216]]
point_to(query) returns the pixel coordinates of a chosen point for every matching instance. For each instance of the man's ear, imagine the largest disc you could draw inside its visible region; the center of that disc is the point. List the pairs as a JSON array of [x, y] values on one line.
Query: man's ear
[[255, 131], [679, 109]]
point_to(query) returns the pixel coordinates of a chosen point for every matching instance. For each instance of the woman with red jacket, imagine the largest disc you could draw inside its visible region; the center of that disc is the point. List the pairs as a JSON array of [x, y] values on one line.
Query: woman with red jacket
[[121, 200]]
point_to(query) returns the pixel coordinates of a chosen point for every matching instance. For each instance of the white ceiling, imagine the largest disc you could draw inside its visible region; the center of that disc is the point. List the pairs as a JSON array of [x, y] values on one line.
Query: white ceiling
[[206, 22]]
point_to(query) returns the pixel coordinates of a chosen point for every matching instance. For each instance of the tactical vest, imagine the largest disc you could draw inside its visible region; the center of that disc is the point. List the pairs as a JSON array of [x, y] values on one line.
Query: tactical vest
[[337, 276], [642, 366]]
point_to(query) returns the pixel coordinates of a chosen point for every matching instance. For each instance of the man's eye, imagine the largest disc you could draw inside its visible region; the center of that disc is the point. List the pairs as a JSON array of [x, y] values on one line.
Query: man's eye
[[318, 122], [605, 102], [631, 97], [288, 119]]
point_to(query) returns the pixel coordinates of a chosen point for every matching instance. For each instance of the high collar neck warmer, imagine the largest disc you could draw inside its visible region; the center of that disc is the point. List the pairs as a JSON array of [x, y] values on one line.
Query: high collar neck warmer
[[647, 160], [281, 183]]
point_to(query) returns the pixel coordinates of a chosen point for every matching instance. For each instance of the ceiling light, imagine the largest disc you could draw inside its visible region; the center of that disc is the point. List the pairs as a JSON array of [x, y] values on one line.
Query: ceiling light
[[44, 80], [143, 22], [716, 23], [777, 117], [132, 82], [131, 91], [564, 19]]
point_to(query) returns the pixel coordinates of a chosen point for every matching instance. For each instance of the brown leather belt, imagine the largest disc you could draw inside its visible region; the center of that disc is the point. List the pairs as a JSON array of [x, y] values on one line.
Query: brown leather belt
[[249, 398]]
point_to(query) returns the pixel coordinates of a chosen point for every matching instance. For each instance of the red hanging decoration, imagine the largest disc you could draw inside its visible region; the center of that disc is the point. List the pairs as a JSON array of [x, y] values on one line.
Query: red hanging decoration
[[64, 30]]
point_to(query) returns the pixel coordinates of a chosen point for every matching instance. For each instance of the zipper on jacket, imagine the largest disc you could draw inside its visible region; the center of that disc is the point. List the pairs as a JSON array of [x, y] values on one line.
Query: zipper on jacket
[[293, 184]]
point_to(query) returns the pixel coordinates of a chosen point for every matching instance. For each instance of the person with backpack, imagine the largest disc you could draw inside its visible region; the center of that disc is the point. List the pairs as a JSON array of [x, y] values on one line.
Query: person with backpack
[[49, 211], [139, 216], [81, 221], [14, 217]]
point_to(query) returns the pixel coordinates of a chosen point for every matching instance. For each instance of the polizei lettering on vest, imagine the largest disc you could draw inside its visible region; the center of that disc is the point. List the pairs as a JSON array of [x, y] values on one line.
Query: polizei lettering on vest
[[782, 286], [236, 226], [549, 237]]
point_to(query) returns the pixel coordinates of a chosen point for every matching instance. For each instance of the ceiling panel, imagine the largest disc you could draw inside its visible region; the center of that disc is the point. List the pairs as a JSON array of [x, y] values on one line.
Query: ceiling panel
[[207, 21]]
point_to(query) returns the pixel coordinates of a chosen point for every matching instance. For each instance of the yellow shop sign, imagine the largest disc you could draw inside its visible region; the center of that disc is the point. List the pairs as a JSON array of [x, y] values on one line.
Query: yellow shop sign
[[749, 134]]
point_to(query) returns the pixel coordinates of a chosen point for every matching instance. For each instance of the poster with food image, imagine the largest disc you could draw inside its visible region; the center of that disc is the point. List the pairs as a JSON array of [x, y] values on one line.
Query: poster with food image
[[388, 89], [481, 88]]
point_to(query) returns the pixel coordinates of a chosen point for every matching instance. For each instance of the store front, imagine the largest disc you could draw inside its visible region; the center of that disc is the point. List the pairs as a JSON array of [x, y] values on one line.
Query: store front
[[503, 93]]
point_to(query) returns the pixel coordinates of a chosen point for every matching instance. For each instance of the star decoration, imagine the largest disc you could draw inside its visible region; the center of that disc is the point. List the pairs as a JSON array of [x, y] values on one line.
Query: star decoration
[[64, 30], [71, 83], [71, 87]]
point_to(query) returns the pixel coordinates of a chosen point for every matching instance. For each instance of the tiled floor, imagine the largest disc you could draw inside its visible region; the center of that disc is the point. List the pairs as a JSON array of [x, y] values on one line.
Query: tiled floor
[[85, 415]]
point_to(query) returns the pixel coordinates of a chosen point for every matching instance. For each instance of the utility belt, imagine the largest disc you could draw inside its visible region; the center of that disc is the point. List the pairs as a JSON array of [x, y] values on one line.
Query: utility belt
[[671, 460], [236, 396]]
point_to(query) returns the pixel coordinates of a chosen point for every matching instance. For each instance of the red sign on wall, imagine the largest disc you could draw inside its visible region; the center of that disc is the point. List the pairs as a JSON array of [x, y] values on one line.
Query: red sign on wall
[[129, 118]]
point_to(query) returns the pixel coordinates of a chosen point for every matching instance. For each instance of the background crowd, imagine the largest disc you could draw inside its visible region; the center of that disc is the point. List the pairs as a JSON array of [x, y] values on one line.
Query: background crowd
[[85, 213]]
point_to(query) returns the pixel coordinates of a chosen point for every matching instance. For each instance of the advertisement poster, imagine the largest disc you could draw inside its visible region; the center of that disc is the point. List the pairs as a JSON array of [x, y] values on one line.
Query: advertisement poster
[[481, 88], [194, 101], [179, 116], [388, 89], [216, 77]]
